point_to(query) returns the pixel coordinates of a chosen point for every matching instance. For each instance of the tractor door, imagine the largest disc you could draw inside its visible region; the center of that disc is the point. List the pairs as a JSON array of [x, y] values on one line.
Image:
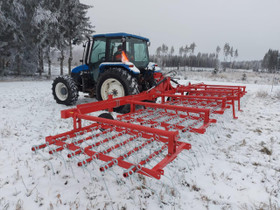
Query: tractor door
[[114, 44], [97, 56]]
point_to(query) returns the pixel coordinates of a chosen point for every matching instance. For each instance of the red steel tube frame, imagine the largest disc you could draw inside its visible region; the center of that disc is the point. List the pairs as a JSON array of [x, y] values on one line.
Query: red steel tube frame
[[218, 95]]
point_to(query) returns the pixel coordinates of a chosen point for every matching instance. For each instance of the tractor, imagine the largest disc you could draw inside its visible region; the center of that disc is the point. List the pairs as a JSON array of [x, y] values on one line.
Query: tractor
[[114, 64]]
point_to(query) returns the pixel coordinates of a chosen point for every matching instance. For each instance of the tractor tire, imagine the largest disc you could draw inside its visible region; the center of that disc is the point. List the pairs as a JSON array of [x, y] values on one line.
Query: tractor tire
[[65, 90], [117, 82]]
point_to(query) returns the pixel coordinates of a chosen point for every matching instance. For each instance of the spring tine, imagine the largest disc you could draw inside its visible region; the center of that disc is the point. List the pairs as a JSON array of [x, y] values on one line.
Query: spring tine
[[96, 155]]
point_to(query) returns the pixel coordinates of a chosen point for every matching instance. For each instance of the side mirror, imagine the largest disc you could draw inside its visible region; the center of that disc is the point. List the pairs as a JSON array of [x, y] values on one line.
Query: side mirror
[[123, 39], [149, 44]]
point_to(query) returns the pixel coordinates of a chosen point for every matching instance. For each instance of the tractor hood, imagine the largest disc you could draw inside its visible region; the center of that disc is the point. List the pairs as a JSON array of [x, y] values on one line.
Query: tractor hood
[[80, 68], [126, 65]]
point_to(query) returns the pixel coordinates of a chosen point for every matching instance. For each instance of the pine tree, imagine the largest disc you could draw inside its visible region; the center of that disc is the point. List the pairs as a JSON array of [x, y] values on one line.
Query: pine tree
[[44, 23], [270, 60], [11, 36], [75, 24], [30, 27]]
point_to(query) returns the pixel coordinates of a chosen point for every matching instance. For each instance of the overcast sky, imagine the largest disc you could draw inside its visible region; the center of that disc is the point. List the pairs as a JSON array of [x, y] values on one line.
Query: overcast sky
[[251, 26]]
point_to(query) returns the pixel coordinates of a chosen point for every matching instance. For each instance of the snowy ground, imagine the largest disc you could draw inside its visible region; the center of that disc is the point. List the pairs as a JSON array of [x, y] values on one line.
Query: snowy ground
[[235, 165]]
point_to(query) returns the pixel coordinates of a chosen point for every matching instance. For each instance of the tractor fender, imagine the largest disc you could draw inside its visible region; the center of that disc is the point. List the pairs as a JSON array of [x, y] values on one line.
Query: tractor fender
[[80, 68], [154, 66], [127, 65]]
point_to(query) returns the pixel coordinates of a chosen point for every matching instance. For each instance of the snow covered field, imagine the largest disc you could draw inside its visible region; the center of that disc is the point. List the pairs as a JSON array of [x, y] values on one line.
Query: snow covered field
[[234, 165]]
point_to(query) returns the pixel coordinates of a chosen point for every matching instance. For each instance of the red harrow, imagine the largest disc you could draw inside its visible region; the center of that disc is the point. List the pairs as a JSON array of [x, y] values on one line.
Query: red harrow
[[147, 138]]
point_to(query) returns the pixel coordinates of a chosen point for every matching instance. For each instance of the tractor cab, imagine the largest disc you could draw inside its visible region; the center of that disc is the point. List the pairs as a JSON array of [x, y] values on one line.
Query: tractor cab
[[119, 49]]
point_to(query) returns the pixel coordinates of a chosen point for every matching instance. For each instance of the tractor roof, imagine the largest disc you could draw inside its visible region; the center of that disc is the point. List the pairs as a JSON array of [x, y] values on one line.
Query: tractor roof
[[110, 35]]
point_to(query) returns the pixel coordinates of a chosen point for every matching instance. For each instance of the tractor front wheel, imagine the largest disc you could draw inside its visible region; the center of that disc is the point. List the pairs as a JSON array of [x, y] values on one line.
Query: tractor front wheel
[[118, 83], [65, 90]]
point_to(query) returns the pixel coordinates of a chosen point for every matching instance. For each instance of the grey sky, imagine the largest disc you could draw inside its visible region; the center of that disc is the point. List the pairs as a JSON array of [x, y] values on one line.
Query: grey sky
[[251, 26]]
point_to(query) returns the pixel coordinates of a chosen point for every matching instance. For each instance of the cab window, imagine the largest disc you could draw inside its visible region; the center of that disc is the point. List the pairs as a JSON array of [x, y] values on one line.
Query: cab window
[[113, 48], [98, 51]]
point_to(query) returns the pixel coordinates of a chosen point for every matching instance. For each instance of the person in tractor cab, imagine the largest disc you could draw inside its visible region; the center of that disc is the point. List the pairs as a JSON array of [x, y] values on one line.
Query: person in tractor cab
[[118, 54]]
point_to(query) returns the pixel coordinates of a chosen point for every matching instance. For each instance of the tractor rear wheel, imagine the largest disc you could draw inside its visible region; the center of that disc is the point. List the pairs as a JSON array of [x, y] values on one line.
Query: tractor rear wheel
[[65, 90], [118, 83]]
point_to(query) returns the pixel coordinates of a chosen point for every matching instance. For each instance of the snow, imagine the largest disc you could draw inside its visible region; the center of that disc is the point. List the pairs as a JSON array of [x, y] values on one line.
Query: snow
[[230, 166]]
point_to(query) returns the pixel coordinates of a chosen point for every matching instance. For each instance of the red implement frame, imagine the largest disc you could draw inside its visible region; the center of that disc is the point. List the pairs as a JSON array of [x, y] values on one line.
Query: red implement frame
[[153, 125], [231, 93]]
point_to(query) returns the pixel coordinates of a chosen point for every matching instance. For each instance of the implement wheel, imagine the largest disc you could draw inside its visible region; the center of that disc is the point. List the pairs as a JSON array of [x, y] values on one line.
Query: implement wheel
[[118, 83], [64, 90]]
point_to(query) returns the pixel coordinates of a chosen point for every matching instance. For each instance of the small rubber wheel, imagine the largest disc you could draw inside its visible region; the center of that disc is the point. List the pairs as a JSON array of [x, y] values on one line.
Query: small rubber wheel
[[64, 90], [170, 99], [106, 116]]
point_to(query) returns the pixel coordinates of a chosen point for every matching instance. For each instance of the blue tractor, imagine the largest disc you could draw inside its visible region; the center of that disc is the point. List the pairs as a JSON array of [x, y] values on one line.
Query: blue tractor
[[114, 64]]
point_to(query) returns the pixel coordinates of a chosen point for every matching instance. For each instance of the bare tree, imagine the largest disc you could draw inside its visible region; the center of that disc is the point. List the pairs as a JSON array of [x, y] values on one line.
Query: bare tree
[[231, 53], [164, 49], [186, 50], [158, 51], [218, 50], [192, 48], [226, 51], [181, 51], [235, 53], [172, 51]]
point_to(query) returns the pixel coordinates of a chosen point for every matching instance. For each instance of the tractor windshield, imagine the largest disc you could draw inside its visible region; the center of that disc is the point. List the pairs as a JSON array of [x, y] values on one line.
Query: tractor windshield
[[137, 52]]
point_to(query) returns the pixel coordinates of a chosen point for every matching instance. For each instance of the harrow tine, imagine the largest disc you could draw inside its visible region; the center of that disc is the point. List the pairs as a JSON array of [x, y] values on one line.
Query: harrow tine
[[78, 151], [47, 159], [194, 155], [124, 156], [139, 166], [96, 155]]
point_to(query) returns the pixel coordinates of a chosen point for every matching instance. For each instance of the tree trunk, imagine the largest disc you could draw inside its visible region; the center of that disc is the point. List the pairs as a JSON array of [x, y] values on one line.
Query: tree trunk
[[49, 67], [39, 58], [41, 61], [190, 63], [61, 61], [18, 65], [2, 64], [49, 62], [70, 57]]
